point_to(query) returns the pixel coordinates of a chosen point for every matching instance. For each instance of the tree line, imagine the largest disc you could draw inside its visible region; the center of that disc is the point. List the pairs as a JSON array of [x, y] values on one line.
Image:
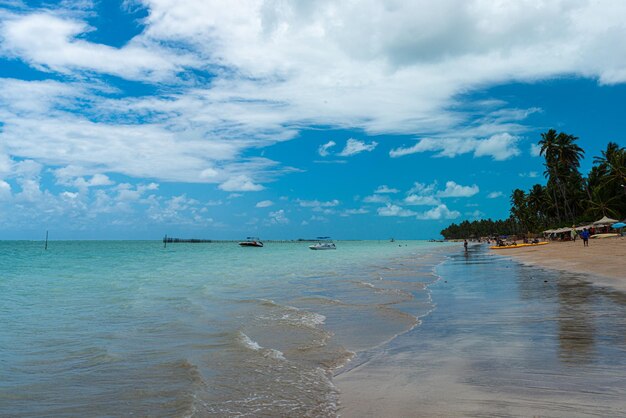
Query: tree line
[[566, 199]]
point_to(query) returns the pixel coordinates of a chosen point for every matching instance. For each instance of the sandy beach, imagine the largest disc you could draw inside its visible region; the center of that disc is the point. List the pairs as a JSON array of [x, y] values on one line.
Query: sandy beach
[[604, 260], [505, 339]]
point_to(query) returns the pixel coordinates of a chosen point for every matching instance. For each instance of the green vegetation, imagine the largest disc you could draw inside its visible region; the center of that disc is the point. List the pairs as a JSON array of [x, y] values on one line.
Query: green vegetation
[[568, 198]]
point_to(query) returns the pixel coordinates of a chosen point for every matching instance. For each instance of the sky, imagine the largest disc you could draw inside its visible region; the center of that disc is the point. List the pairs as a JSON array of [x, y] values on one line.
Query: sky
[[293, 119]]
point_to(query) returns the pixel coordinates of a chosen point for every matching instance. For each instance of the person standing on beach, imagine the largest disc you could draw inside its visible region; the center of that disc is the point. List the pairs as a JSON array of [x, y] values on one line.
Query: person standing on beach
[[585, 236], [465, 244]]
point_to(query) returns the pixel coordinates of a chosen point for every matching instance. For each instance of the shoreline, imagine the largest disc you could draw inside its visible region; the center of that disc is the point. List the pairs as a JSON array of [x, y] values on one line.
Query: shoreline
[[504, 339], [603, 262]]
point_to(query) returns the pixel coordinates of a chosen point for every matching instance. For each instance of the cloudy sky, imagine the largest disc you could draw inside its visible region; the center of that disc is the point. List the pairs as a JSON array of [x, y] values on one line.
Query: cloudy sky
[[286, 119]]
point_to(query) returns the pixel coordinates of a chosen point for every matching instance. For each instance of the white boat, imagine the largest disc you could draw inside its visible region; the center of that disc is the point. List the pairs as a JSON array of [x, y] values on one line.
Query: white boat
[[324, 244], [251, 242]]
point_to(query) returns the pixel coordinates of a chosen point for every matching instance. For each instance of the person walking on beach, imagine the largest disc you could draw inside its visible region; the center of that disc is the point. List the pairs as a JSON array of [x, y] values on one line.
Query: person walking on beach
[[585, 236]]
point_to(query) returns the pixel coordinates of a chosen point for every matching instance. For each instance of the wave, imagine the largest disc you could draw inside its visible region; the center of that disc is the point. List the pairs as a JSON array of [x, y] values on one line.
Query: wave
[[247, 342]]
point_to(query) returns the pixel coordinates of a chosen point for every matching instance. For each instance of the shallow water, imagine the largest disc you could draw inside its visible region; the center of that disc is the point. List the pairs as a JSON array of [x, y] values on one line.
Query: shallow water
[[132, 328]]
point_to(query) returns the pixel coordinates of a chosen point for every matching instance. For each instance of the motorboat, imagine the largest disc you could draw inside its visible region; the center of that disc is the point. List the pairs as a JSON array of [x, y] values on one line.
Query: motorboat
[[251, 242], [323, 244]]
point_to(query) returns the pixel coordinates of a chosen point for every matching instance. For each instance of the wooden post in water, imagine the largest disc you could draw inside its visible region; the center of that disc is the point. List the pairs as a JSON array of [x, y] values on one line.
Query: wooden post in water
[[46, 246]]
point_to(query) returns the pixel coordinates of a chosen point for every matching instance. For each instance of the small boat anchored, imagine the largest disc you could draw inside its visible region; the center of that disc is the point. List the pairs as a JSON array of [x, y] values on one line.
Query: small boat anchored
[[324, 244], [251, 242]]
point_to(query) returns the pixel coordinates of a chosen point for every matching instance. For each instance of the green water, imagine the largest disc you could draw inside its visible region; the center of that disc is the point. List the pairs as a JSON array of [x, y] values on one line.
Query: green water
[[116, 328]]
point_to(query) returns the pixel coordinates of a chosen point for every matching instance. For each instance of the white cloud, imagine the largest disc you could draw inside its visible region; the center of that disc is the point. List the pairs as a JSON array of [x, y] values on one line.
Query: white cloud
[[439, 212], [323, 149], [49, 42], [240, 183], [354, 146], [395, 210], [418, 200], [330, 161], [456, 190], [376, 198], [36, 128], [423, 189], [27, 168], [6, 164], [494, 195], [499, 147], [264, 204], [97, 180], [208, 173], [360, 211], [5, 190], [317, 203], [535, 150], [530, 174], [385, 189], [127, 192], [278, 217]]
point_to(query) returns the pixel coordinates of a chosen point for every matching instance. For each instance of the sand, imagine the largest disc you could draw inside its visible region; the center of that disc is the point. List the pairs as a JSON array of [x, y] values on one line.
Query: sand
[[604, 260], [506, 340]]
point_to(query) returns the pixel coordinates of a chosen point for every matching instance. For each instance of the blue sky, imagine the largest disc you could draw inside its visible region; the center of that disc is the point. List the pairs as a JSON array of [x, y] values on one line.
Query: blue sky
[[358, 120]]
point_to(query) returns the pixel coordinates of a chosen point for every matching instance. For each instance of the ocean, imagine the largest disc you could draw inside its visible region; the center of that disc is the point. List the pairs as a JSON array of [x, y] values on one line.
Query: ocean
[[121, 328]]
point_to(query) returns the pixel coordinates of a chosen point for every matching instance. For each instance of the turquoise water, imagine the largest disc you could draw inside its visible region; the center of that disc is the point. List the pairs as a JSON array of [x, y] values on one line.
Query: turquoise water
[[132, 328]]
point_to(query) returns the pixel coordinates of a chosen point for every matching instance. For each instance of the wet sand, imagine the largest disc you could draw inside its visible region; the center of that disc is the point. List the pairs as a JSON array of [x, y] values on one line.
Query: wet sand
[[604, 259], [504, 340]]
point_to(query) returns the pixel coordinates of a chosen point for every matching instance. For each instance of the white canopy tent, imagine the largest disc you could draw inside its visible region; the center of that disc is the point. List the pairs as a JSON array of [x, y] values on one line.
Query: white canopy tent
[[566, 229], [605, 221]]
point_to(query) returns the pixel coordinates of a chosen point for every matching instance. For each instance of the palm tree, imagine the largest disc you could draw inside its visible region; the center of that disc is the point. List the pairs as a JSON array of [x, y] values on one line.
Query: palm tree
[[599, 204], [614, 159], [538, 203], [612, 174], [563, 157], [548, 146], [519, 209]]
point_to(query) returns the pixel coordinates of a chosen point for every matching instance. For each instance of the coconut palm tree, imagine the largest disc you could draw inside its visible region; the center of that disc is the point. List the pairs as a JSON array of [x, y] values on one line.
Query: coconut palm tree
[[548, 151], [519, 209], [611, 171], [614, 159], [600, 204], [563, 157], [538, 204]]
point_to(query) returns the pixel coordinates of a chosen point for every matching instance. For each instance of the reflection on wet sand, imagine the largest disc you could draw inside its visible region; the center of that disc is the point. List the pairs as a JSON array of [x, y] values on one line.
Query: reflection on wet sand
[[575, 320], [504, 340]]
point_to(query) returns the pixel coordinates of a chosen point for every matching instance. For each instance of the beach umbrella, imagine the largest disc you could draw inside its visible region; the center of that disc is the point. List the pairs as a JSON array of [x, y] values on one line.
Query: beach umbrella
[[605, 221], [618, 225]]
